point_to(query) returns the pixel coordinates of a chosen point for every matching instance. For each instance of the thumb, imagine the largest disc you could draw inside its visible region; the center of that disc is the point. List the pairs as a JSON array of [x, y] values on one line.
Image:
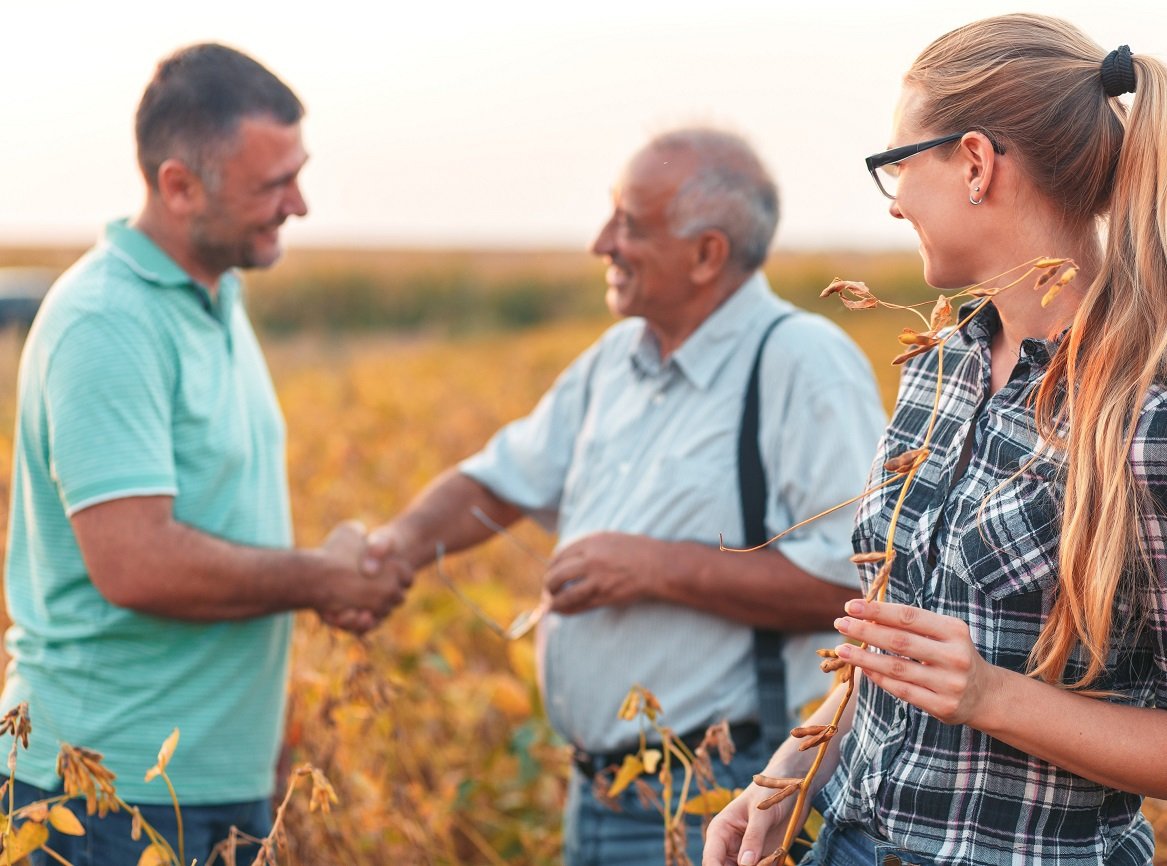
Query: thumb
[[378, 544], [753, 840]]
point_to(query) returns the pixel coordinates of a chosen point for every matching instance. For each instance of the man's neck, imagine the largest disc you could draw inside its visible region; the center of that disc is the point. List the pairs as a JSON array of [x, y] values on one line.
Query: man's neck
[[672, 334], [172, 239]]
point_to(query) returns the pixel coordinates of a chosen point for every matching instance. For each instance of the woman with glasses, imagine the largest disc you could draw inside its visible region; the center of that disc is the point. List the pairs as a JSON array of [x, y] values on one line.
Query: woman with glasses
[[1012, 707]]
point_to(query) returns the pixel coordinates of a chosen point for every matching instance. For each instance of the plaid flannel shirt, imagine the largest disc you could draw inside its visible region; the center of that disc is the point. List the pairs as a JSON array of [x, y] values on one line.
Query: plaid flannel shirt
[[985, 549]]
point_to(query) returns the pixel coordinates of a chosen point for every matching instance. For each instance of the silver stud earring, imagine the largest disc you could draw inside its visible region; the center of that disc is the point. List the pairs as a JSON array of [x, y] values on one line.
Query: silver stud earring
[[972, 200]]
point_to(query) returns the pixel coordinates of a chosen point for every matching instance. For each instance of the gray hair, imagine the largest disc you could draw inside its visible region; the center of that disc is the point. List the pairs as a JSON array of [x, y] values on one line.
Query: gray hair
[[730, 190]]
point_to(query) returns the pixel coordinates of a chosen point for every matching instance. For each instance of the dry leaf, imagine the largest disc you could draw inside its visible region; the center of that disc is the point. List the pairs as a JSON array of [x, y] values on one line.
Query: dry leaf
[[870, 556], [829, 666], [854, 295], [29, 836], [38, 811], [911, 353], [710, 802], [1049, 263], [323, 795], [64, 821], [629, 770], [820, 736], [16, 722], [154, 855], [164, 755], [982, 292], [906, 461], [651, 758], [941, 314], [917, 338], [631, 706]]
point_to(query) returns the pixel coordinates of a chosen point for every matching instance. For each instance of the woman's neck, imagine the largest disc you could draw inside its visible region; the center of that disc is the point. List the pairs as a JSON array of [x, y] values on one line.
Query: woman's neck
[[1020, 309]]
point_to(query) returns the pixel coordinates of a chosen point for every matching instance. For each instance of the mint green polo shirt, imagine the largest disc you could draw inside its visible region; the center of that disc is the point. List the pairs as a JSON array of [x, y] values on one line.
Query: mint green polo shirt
[[135, 382]]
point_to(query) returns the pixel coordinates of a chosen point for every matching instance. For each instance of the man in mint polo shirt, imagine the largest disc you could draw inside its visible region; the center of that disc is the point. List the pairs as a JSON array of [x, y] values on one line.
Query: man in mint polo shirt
[[150, 568]]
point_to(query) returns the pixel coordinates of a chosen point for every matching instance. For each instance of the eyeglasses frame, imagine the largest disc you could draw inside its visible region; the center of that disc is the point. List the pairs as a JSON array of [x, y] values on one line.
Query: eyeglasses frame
[[899, 154]]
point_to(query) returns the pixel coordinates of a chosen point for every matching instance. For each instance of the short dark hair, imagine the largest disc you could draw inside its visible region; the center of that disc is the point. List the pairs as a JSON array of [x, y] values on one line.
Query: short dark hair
[[194, 104]]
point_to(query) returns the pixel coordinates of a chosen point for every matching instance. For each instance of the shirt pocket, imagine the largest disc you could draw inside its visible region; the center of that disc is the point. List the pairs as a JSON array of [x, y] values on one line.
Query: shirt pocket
[[1005, 540]]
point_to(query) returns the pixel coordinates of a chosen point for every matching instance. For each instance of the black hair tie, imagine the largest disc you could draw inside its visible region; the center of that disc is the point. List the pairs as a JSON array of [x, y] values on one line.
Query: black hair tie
[[1118, 72]]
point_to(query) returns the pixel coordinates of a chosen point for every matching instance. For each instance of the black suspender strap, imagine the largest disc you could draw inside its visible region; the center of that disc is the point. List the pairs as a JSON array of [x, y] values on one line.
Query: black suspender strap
[[774, 715]]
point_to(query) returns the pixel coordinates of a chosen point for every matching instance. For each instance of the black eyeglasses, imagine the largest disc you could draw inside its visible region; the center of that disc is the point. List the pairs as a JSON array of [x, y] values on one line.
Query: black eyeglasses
[[885, 169]]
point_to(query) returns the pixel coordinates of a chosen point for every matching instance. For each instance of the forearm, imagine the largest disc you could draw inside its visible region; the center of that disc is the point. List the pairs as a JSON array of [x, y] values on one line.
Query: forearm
[[139, 557], [444, 513], [789, 762], [761, 589], [208, 579], [1115, 745]]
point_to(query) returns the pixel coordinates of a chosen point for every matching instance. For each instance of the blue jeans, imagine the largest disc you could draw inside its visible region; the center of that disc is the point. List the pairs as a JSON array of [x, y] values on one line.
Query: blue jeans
[[596, 835], [848, 845], [107, 840]]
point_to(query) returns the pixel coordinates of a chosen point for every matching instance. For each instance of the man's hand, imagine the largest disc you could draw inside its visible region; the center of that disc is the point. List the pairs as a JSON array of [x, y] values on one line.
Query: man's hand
[[367, 587], [606, 568]]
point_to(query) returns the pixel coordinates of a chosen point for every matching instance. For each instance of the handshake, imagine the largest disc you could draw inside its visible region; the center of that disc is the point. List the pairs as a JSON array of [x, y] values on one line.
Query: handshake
[[367, 577]]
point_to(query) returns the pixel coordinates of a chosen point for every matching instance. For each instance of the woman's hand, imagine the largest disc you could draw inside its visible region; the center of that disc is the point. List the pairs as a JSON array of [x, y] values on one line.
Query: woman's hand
[[930, 659], [741, 834]]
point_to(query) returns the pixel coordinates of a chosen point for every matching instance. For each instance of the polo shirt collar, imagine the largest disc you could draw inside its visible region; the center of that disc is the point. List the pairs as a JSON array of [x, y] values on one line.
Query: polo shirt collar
[[707, 349], [152, 264]]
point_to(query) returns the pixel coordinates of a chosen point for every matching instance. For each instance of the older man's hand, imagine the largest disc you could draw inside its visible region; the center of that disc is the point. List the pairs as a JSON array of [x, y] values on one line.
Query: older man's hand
[[367, 587], [603, 569]]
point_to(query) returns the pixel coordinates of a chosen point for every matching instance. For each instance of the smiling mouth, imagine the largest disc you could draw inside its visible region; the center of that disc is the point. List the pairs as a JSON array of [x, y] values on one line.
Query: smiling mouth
[[616, 275]]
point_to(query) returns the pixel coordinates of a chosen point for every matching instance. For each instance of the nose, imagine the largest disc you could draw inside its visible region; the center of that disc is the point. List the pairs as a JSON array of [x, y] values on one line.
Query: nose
[[294, 203], [604, 244], [894, 209]]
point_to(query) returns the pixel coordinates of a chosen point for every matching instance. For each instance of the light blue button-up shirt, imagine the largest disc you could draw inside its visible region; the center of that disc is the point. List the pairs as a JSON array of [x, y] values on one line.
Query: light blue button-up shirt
[[625, 442]]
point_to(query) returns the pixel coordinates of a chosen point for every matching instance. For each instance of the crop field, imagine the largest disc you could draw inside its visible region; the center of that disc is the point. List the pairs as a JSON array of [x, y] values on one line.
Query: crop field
[[390, 367]]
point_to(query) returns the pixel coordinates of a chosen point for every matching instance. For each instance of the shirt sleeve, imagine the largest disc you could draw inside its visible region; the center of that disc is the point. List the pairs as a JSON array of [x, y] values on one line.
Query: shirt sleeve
[[1149, 465], [527, 461], [819, 437], [107, 393]]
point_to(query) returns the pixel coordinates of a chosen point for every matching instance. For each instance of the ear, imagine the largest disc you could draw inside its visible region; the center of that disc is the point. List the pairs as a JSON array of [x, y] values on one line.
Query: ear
[[180, 189], [979, 161], [710, 256]]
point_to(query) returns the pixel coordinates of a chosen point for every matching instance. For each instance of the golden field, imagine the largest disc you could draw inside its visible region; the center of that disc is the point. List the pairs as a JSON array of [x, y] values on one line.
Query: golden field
[[430, 729]]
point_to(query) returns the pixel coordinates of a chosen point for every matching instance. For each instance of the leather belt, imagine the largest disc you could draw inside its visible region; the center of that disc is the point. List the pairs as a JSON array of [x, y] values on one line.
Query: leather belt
[[744, 735]]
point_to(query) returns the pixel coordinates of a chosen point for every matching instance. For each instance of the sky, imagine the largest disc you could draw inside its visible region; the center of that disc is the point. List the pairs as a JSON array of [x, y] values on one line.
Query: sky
[[499, 124]]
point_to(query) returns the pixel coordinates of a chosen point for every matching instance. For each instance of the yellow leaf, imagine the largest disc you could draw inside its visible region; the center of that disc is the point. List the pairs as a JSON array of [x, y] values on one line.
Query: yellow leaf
[[710, 802], [29, 836], [154, 855], [64, 821], [510, 696], [631, 768], [651, 760], [164, 756]]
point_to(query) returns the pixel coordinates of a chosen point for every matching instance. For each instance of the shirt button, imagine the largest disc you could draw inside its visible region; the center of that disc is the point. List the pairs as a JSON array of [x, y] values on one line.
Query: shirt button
[[658, 399], [624, 468]]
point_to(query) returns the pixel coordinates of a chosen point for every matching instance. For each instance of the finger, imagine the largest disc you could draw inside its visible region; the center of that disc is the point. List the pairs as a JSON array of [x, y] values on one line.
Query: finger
[[561, 573], [719, 850], [904, 616], [378, 543], [892, 640], [404, 572], [574, 596], [922, 685]]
